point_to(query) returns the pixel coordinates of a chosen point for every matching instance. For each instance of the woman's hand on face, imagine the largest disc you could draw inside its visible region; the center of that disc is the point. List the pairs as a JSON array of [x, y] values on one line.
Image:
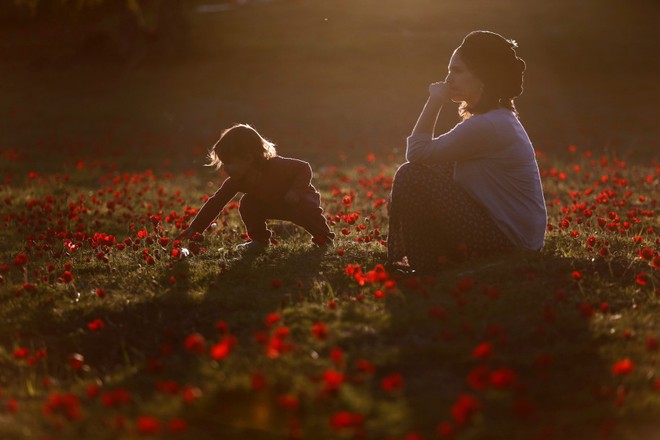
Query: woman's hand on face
[[439, 92]]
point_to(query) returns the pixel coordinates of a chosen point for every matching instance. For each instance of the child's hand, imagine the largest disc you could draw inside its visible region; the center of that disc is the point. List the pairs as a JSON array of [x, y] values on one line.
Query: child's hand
[[291, 198]]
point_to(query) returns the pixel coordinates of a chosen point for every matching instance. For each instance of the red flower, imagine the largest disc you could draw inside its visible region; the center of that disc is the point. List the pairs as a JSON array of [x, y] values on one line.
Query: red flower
[[332, 380], [21, 353], [76, 361], [623, 367], [288, 401], [577, 276], [222, 349], [163, 241], [276, 283], [464, 408], [445, 430], [586, 310], [642, 279], [272, 319], [66, 276], [365, 366], [479, 378], [483, 350], [177, 426], [12, 405], [190, 394], [502, 378], [195, 343], [148, 425], [21, 260], [652, 344], [320, 330], [337, 356], [96, 325], [646, 254], [392, 383], [345, 419]]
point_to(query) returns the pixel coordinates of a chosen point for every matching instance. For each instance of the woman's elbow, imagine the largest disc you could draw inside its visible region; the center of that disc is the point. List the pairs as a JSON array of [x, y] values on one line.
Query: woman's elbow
[[413, 156]]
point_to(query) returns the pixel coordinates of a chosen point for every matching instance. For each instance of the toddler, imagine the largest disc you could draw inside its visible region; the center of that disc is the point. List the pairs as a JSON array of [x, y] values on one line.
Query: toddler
[[273, 187]]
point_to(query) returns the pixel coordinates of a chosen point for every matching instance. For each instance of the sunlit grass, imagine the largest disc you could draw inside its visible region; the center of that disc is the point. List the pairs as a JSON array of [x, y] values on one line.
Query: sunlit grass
[[309, 347]]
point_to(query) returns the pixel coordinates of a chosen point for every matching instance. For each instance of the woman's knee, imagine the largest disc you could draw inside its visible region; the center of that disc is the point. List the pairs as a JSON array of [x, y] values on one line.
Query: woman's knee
[[408, 175]]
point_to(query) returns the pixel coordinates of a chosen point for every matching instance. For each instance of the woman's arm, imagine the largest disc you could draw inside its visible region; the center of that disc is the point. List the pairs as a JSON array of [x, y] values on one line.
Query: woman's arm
[[438, 95]]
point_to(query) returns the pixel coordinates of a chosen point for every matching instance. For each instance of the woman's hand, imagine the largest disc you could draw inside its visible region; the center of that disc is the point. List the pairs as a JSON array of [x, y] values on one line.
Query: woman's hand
[[439, 92]]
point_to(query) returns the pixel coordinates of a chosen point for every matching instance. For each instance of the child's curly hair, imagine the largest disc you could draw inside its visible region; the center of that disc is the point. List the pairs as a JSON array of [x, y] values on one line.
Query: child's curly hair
[[240, 140]]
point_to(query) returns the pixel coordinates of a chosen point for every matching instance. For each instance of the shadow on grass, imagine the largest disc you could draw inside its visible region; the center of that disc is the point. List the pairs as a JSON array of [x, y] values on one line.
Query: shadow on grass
[[539, 371]]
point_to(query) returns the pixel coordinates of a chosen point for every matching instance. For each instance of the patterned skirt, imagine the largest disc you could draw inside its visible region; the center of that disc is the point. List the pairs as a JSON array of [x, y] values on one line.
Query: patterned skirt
[[433, 221]]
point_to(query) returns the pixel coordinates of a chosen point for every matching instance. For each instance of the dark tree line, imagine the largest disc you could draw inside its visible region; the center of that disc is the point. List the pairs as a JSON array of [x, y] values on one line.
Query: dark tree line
[[111, 30]]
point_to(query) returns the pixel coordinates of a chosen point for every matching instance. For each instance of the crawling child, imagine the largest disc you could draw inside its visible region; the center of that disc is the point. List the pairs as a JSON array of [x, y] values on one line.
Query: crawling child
[[273, 187]]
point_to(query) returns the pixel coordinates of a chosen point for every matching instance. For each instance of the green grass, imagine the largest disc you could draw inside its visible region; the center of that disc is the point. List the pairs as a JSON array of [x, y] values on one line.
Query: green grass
[[529, 307]]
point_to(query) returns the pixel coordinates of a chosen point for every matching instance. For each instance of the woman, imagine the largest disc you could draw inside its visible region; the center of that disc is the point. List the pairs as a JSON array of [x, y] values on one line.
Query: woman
[[475, 190]]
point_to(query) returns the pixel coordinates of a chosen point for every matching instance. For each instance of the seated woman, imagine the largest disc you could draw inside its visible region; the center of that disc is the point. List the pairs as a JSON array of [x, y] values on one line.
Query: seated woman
[[475, 190]]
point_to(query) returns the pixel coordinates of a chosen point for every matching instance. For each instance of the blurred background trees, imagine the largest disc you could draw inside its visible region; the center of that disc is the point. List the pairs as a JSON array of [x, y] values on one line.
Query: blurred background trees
[[124, 31]]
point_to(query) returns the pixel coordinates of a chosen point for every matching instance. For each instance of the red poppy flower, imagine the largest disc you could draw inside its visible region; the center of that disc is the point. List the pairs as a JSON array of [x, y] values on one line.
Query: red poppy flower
[[345, 419], [364, 366], [21, 353], [288, 401], [66, 277], [623, 367], [222, 349], [272, 319], [502, 378], [195, 343], [642, 279], [96, 325], [479, 378], [445, 430], [177, 426], [483, 350], [76, 361], [392, 383], [337, 356], [320, 330], [190, 394], [21, 260], [148, 425], [464, 408], [332, 380], [646, 254], [12, 405]]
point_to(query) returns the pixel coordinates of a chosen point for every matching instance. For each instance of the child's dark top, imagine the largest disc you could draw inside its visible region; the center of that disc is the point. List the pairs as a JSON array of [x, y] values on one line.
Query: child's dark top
[[279, 175]]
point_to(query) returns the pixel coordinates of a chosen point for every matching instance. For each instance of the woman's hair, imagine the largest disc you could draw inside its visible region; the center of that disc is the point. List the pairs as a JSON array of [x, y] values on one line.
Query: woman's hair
[[492, 58], [240, 140]]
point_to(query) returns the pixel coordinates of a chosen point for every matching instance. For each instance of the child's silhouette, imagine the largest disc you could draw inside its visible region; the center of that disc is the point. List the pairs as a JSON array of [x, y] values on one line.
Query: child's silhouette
[[273, 187]]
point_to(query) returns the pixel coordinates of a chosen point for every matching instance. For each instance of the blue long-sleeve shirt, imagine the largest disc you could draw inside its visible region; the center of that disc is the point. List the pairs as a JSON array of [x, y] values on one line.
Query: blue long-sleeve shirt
[[496, 165]]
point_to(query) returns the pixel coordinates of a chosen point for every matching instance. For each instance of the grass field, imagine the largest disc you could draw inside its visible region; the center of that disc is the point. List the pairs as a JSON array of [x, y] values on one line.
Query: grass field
[[111, 333]]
